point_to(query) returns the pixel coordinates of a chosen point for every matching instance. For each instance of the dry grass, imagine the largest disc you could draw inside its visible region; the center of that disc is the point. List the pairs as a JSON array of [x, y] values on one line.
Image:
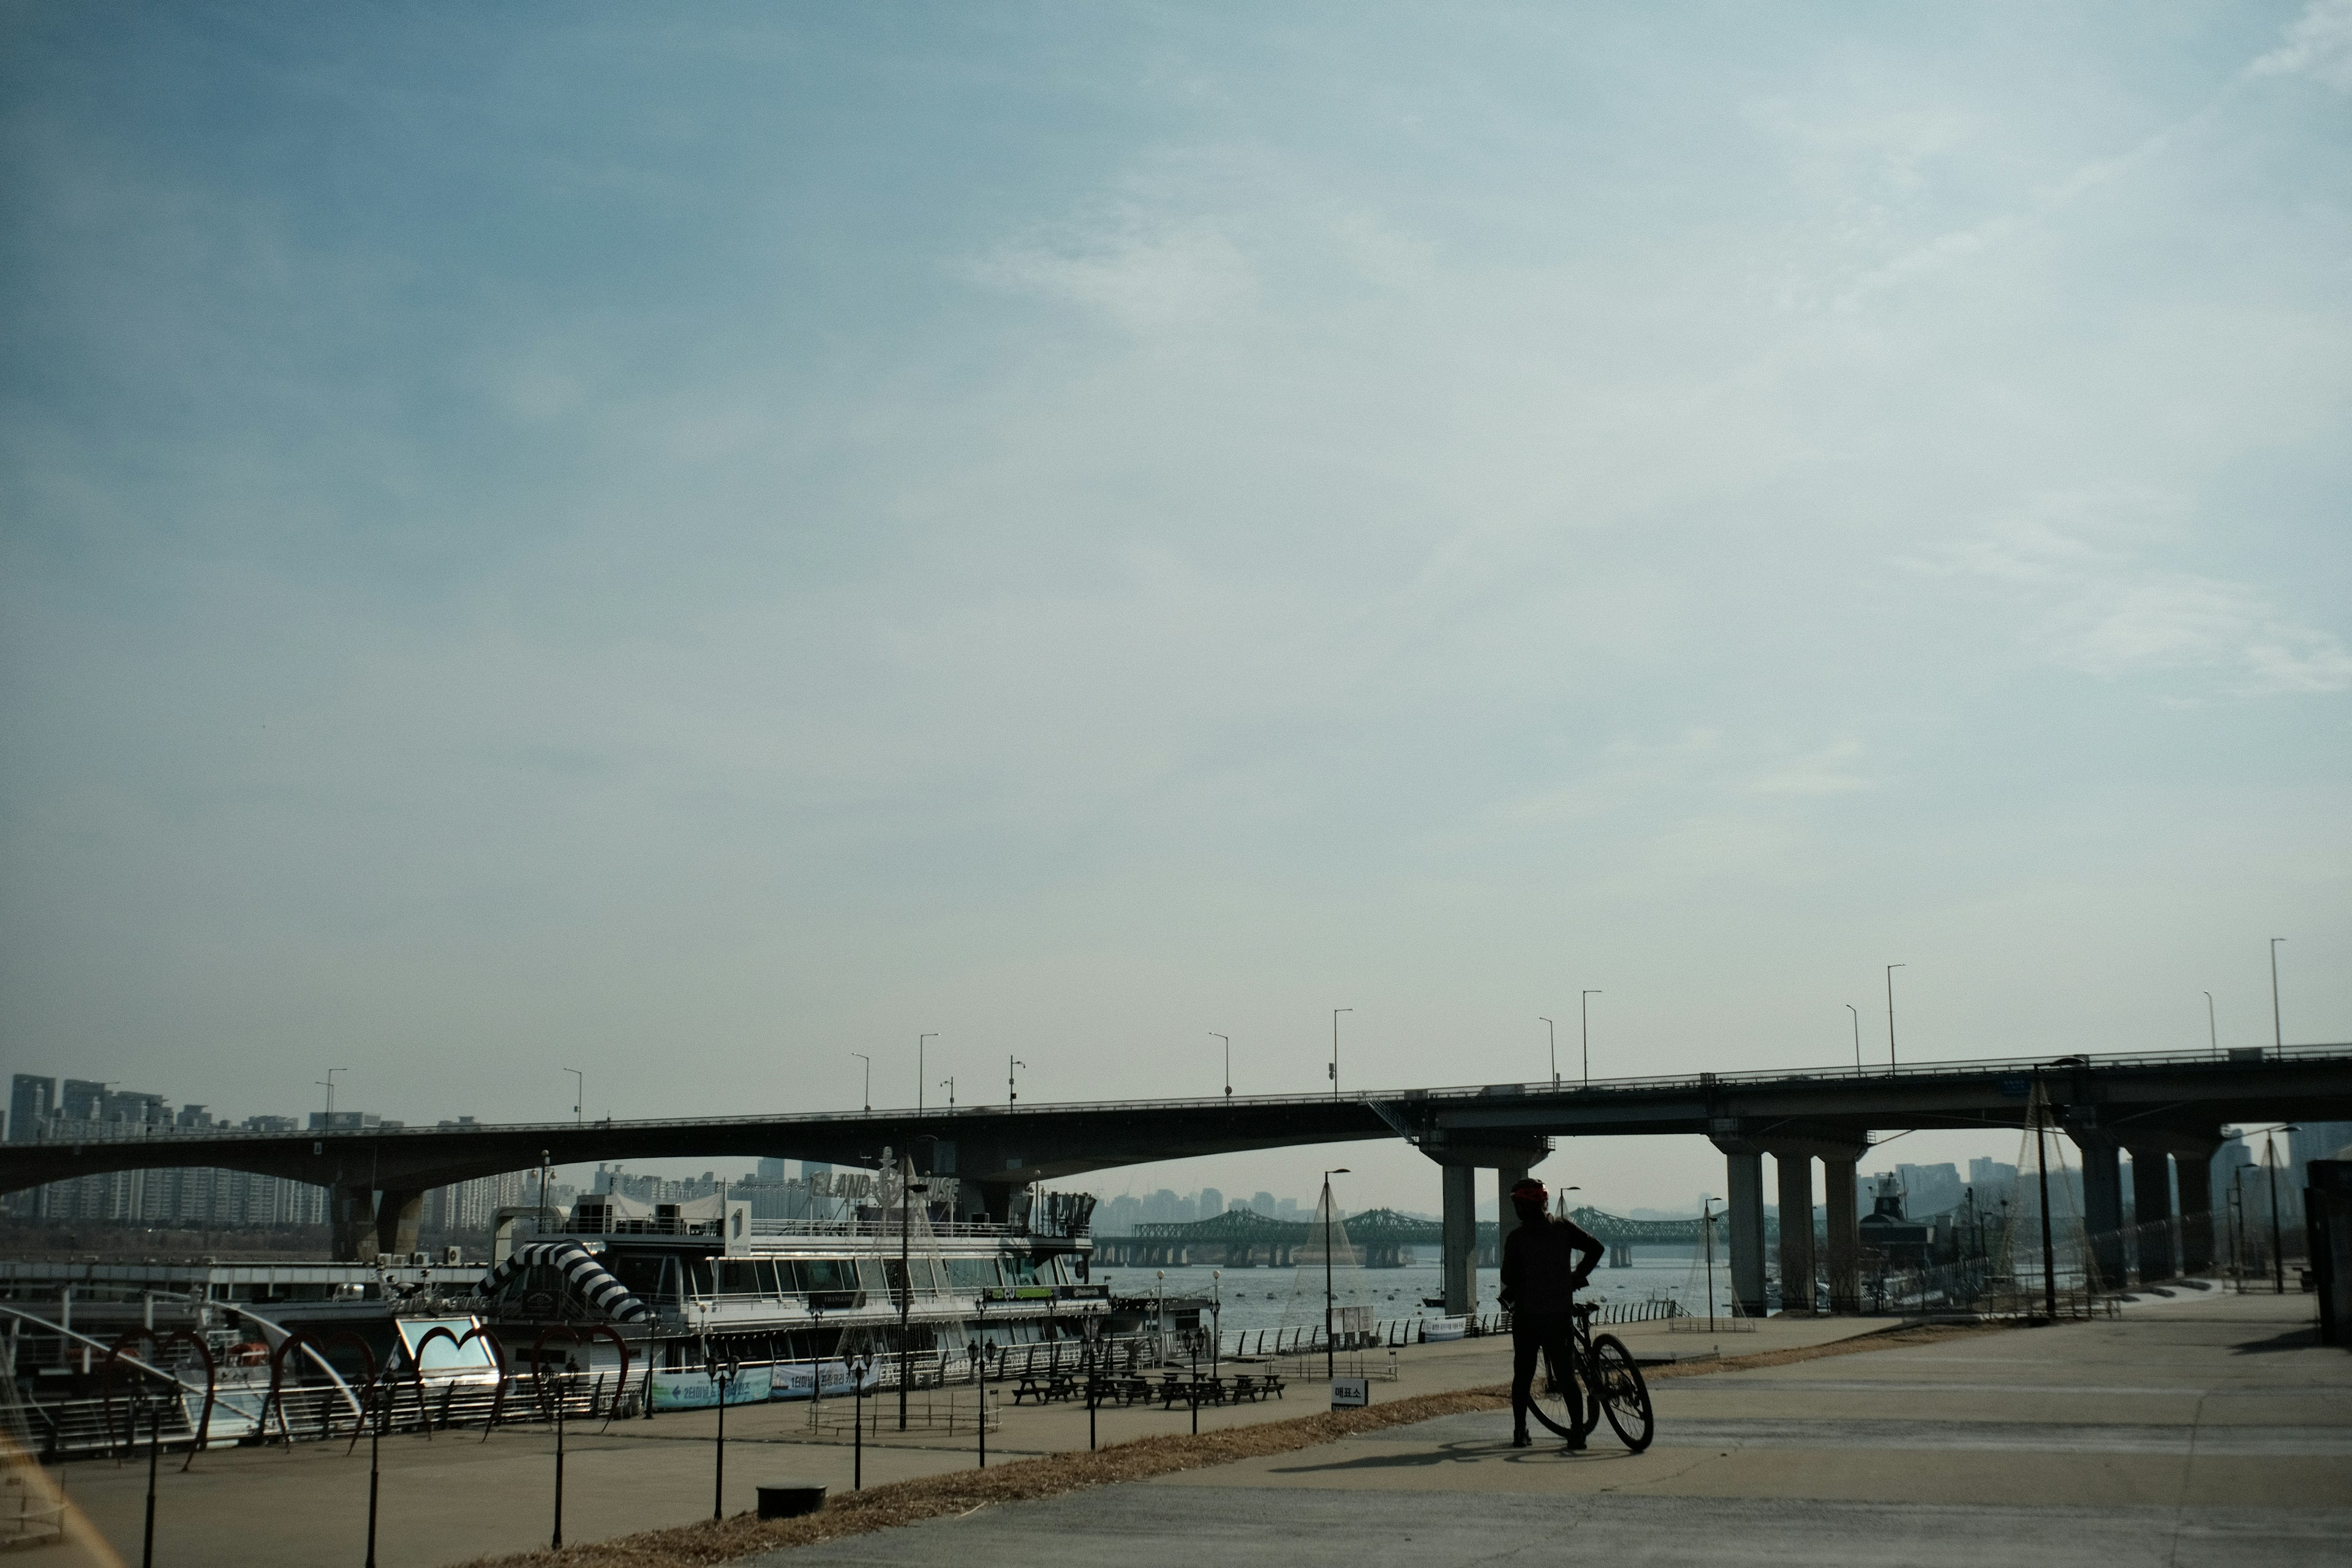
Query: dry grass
[[1052, 1475]]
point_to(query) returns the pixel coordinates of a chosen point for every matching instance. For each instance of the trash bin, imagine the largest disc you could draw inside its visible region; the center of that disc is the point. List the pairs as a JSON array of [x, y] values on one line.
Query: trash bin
[[790, 1500]]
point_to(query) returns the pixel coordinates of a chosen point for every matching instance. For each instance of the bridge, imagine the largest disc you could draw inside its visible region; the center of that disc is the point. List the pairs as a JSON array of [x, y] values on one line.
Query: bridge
[[1242, 1238], [2167, 1108]]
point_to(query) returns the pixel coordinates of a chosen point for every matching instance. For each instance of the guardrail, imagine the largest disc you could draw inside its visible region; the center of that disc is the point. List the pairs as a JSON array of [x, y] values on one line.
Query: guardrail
[[95, 1132]]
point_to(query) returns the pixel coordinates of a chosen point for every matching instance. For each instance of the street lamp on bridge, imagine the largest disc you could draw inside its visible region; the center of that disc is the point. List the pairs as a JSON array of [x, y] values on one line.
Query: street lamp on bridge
[[1857, 1032], [578, 1094], [1585, 1015], [1229, 1060], [918, 1068], [328, 1083], [1551, 1035], [2278, 1035], [1890, 1015], [1335, 1049], [861, 1057]]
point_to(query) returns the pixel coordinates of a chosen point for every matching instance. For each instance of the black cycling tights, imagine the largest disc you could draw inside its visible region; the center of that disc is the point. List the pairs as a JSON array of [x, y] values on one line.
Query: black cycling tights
[[1551, 1334]]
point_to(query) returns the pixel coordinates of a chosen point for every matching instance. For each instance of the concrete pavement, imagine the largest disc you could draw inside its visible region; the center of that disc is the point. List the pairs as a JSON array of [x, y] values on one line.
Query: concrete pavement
[[2201, 1428], [455, 1497]]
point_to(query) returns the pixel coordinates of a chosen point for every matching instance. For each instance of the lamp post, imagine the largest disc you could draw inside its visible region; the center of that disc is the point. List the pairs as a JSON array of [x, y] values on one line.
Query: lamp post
[[1890, 1015], [1331, 1362], [579, 1092], [2278, 1241], [949, 1084], [2278, 1035], [918, 1068], [861, 1057], [1335, 1049], [1551, 1038], [1584, 1012], [1012, 1093], [2212, 1031], [1706, 1240], [908, 1188], [328, 1083], [1229, 1060], [1857, 1033], [1216, 1318]]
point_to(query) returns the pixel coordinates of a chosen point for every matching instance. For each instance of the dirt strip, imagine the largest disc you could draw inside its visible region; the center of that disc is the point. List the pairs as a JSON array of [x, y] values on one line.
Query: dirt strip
[[1052, 1475]]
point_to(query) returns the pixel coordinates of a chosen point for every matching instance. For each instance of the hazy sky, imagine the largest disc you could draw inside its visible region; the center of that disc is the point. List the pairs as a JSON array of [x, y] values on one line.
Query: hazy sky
[[686, 542]]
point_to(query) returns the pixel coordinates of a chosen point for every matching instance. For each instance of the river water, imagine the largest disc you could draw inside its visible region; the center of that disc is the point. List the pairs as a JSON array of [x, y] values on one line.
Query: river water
[[1290, 1298]]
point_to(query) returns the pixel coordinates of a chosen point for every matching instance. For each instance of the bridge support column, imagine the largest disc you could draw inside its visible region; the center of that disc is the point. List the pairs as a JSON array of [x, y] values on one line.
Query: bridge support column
[[351, 1217], [2152, 1212], [1842, 1240], [1797, 1288], [2196, 1171], [398, 1216], [1458, 1242], [1745, 1207], [2103, 1205]]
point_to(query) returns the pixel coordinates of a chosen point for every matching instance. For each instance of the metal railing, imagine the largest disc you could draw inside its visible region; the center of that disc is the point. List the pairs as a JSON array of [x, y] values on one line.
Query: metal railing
[[95, 1132]]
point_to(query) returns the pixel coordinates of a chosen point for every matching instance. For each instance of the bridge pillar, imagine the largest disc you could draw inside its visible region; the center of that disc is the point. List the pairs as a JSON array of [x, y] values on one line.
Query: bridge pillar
[[1841, 1238], [1744, 1206], [351, 1217], [2196, 1171], [398, 1216], [1797, 1288], [1458, 1240], [2103, 1203], [2152, 1212]]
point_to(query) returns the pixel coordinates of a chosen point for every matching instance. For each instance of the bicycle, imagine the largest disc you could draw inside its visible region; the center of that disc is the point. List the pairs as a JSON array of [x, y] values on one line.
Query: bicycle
[[1613, 1384]]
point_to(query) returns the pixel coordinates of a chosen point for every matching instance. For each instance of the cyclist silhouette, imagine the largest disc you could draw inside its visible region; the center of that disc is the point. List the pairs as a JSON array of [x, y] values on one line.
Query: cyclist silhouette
[[1545, 1261]]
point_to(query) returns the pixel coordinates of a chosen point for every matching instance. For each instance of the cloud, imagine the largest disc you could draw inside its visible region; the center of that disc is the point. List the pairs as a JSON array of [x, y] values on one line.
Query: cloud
[[2319, 44], [1827, 771], [2102, 609], [1147, 274]]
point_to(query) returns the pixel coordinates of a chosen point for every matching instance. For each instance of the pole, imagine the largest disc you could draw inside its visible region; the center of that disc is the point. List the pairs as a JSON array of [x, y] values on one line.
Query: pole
[[2278, 1035], [1335, 1049], [980, 1386], [918, 1067], [1330, 1365], [858, 1425], [1890, 1015], [579, 1093], [156, 1448], [2048, 1249], [2278, 1242], [861, 1057], [1011, 1094], [1229, 1060], [557, 1543], [1552, 1034], [719, 1472], [1584, 1011], [376, 1436], [1706, 1239], [906, 1286], [1857, 1034]]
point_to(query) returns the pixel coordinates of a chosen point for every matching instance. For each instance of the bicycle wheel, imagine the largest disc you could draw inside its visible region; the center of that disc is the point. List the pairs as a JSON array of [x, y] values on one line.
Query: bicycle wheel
[[1550, 1401], [1622, 1394]]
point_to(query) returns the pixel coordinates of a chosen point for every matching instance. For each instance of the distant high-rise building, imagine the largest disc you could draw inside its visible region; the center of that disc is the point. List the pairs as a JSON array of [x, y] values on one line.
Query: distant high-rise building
[[1264, 1203], [813, 1169], [31, 1102], [772, 1170], [1992, 1179], [1210, 1203]]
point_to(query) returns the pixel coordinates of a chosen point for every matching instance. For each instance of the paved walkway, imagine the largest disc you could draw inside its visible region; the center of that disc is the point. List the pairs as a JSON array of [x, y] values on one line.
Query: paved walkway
[[455, 1497], [2201, 1428]]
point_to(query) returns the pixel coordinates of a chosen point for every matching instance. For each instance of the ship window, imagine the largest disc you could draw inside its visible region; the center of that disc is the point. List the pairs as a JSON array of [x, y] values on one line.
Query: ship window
[[641, 1272], [788, 1280], [738, 1276], [973, 1273], [870, 1277], [768, 1284], [698, 1277], [827, 1274], [1025, 1269]]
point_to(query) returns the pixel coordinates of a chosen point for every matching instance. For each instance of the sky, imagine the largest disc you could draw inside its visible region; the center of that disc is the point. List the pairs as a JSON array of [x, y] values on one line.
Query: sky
[[688, 544]]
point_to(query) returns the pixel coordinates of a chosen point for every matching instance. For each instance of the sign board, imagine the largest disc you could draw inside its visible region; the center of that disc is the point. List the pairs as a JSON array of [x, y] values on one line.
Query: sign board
[[2016, 1086], [1350, 1393], [1433, 1329]]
